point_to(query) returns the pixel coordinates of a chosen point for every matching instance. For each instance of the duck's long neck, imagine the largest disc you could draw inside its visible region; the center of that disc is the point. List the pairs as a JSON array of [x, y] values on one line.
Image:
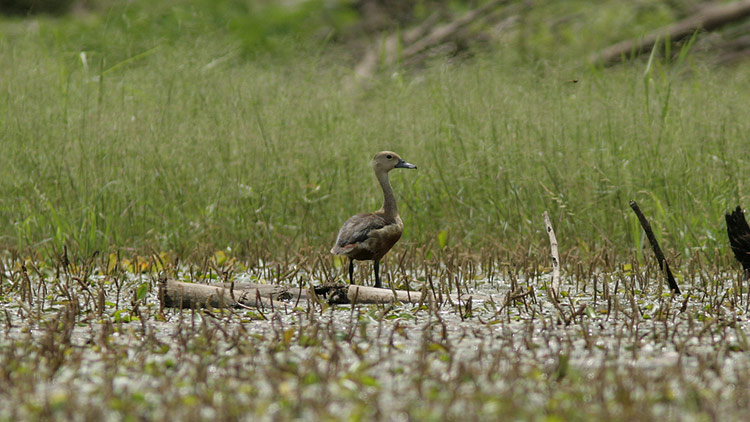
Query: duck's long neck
[[389, 199]]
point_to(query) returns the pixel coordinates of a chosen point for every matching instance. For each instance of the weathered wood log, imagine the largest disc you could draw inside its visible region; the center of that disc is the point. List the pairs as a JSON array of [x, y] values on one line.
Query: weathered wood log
[[555, 284], [353, 293], [269, 291], [707, 19], [366, 294], [177, 294], [663, 264]]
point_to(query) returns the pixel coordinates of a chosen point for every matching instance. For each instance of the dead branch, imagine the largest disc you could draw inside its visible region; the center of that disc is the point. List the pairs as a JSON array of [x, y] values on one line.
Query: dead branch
[[555, 284], [420, 38], [441, 33], [270, 291], [177, 294], [706, 19], [655, 246], [390, 46]]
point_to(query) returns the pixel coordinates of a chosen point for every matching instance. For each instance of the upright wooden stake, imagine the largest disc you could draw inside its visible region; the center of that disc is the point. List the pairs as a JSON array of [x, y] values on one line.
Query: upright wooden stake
[[655, 246], [555, 284]]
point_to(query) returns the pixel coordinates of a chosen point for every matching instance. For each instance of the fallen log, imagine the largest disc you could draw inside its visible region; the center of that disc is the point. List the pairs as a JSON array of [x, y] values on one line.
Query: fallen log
[[178, 294], [707, 19], [371, 295], [269, 291]]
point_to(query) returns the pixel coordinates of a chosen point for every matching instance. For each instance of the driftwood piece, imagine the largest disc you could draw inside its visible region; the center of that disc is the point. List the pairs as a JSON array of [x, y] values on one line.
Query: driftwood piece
[[707, 19], [663, 264], [739, 237], [366, 294], [555, 285], [352, 293], [177, 294], [355, 294], [269, 291]]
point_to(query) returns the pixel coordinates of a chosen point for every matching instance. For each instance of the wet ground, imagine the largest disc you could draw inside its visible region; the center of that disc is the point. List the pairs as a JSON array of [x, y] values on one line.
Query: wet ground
[[628, 350]]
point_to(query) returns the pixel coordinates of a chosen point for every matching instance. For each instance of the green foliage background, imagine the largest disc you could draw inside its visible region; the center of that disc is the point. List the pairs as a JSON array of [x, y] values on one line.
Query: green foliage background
[[238, 124]]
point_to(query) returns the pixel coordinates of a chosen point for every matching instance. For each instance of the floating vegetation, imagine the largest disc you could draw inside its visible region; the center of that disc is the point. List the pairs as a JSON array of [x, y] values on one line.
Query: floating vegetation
[[88, 339]]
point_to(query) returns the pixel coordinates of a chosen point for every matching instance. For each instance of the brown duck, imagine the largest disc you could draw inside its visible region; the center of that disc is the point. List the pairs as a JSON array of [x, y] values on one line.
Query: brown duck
[[369, 236]]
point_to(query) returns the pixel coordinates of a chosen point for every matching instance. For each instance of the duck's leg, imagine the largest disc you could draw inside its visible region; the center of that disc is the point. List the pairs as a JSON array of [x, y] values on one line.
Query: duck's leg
[[351, 270], [377, 275]]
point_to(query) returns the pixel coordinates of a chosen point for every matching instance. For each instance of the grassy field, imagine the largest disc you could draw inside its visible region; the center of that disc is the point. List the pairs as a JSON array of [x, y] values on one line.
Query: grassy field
[[141, 141], [188, 143]]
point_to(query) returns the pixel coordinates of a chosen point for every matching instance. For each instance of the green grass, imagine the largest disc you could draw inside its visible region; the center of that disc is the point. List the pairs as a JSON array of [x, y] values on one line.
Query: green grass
[[165, 145], [157, 136]]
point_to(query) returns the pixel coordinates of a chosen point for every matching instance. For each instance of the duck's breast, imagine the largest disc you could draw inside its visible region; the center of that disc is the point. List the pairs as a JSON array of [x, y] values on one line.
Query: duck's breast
[[382, 240]]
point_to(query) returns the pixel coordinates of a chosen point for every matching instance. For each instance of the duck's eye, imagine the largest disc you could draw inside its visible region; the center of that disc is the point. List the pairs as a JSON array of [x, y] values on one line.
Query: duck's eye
[[389, 156]]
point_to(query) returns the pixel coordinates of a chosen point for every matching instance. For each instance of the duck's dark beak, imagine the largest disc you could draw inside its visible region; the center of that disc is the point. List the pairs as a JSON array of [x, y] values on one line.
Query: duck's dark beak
[[404, 165]]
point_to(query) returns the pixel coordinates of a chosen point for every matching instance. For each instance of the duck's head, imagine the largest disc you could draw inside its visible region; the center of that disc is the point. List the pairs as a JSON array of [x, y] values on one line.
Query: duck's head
[[386, 161]]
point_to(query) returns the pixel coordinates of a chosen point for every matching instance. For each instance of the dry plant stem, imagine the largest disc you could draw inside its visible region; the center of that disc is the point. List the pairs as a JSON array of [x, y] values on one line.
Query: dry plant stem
[[655, 245], [555, 284], [707, 19]]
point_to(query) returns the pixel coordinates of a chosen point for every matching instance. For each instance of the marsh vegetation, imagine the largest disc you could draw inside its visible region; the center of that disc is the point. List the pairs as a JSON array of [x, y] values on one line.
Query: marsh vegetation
[[139, 141]]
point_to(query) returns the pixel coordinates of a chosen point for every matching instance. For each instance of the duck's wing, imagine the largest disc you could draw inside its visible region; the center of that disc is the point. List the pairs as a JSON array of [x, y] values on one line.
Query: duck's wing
[[357, 229], [739, 236]]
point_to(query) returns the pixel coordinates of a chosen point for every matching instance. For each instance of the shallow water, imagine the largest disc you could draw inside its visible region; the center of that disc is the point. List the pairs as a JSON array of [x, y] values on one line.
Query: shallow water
[[620, 358]]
